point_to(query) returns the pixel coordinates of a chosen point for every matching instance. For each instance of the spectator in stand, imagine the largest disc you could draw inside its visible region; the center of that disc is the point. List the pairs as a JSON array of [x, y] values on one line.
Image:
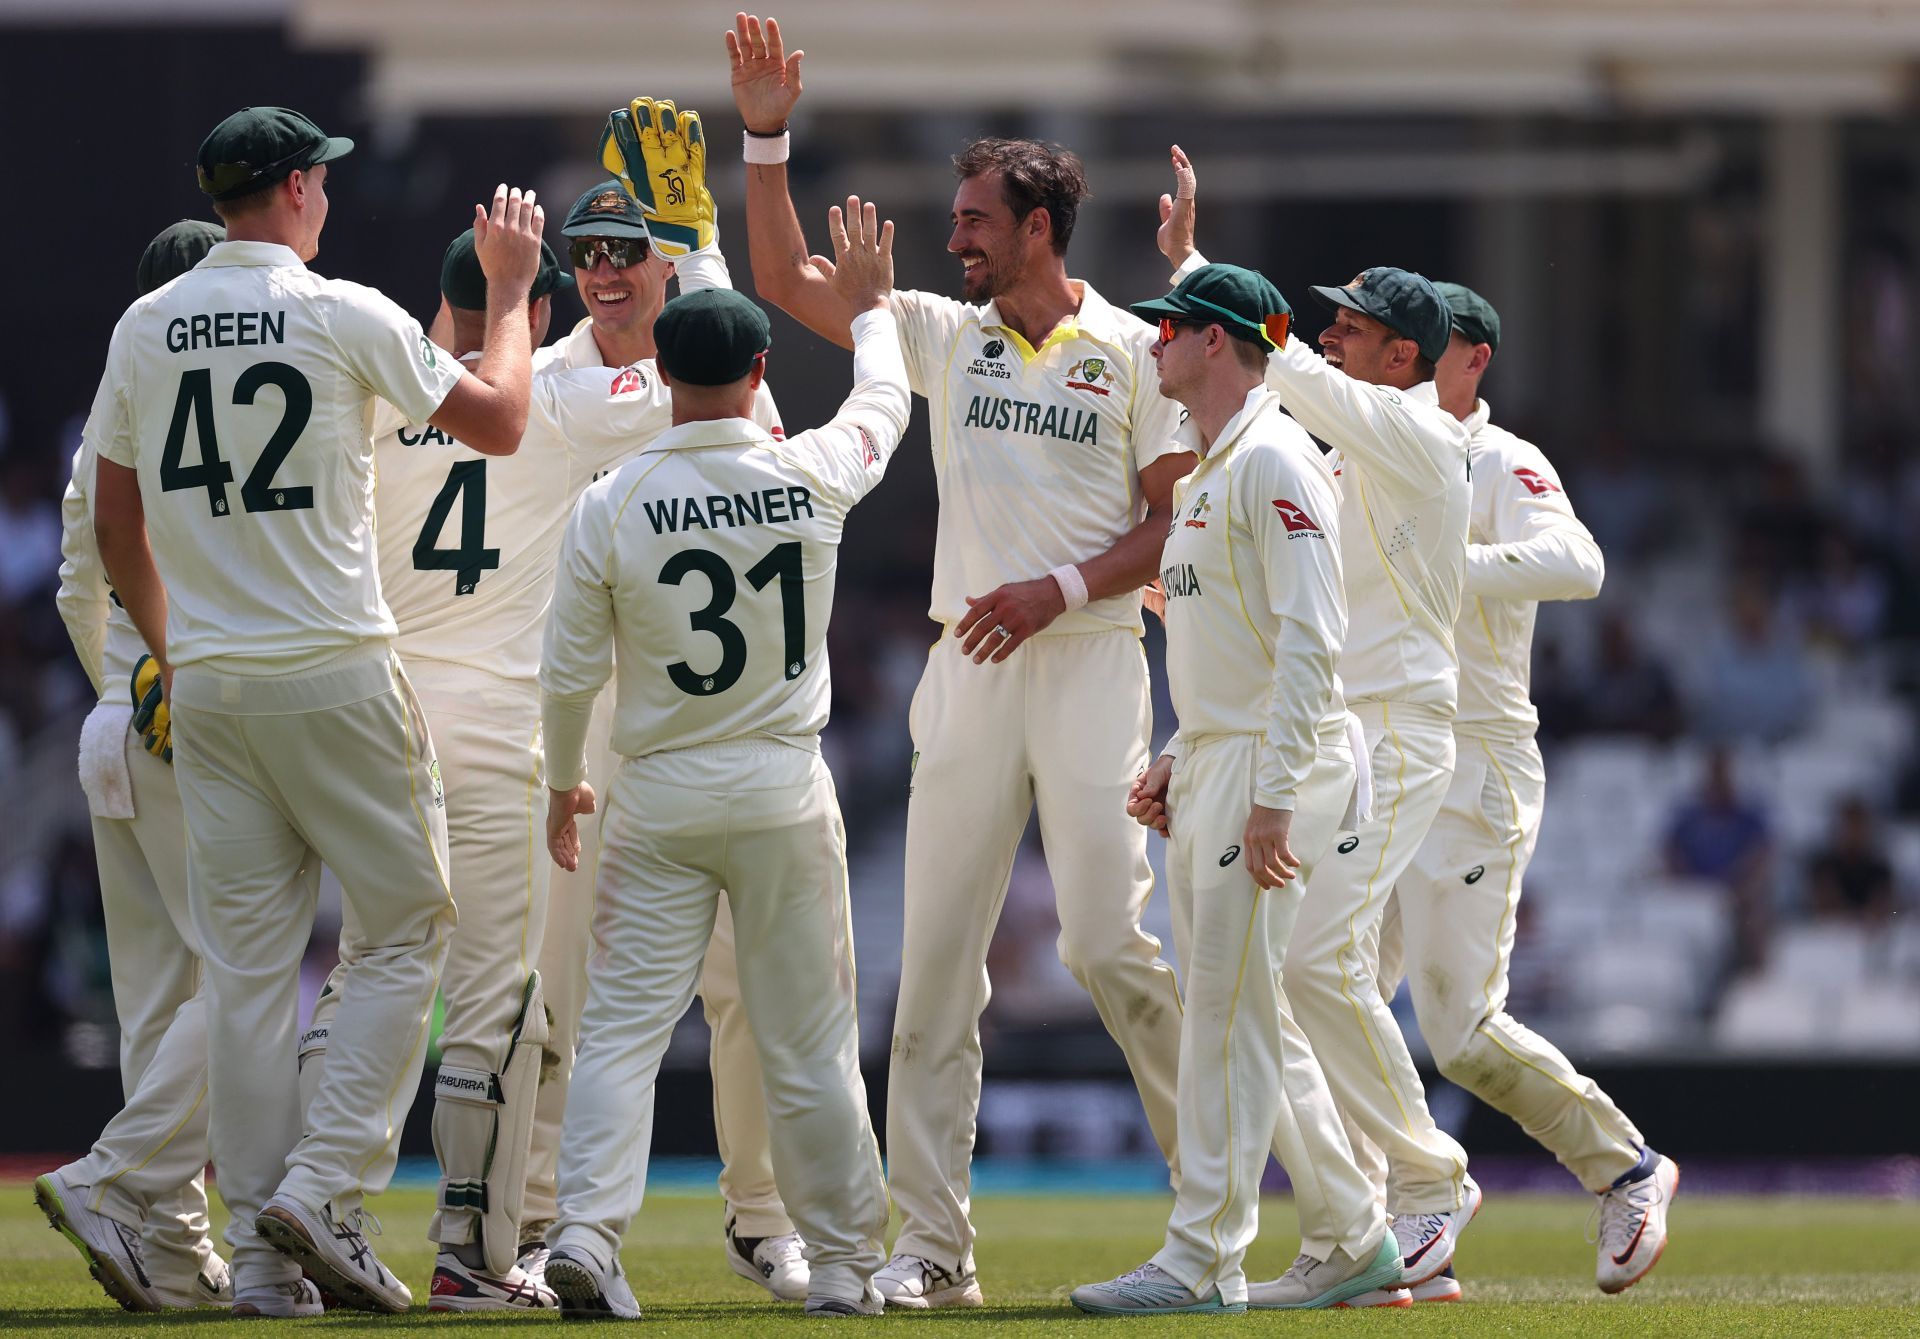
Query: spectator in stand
[[1845, 604], [1780, 529], [29, 531], [1621, 499], [1720, 837], [1755, 683], [1629, 692], [1851, 878]]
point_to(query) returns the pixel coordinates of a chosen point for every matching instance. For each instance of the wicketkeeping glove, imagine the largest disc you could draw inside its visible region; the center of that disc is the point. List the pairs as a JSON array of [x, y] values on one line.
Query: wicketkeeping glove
[[660, 156], [151, 719]]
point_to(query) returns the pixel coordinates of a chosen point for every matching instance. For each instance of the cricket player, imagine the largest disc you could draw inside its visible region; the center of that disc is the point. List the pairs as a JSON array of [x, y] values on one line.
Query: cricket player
[[1055, 461], [1455, 903], [236, 437], [136, 1205], [1249, 792], [1405, 496], [621, 269], [708, 562]]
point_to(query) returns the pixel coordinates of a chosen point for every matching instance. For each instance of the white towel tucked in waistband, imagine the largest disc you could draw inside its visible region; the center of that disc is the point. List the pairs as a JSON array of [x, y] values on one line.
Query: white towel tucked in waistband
[[103, 761], [1361, 809]]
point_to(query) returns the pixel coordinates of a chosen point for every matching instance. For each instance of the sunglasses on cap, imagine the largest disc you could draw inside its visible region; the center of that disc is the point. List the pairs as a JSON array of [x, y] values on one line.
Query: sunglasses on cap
[[619, 251], [1273, 329]]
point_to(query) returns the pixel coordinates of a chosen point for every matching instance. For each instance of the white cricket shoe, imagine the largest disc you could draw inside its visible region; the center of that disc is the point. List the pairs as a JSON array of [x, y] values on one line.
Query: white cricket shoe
[[286, 1301], [533, 1260], [1442, 1287], [211, 1283], [778, 1264], [459, 1287], [334, 1253], [1313, 1284], [870, 1305], [1427, 1240], [918, 1284], [113, 1251], [588, 1291], [1146, 1291], [1633, 1226]]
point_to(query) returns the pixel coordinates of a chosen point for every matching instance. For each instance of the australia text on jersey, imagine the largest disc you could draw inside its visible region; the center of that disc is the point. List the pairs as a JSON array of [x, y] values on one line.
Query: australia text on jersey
[[1067, 424]]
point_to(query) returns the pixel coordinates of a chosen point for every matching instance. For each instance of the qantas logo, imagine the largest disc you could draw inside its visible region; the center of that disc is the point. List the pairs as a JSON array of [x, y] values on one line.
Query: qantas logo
[[629, 380], [1537, 484], [869, 449], [1297, 521]]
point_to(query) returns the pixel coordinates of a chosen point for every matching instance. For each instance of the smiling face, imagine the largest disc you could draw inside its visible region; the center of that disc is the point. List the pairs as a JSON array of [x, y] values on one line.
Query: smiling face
[[622, 302], [994, 248], [1360, 346]]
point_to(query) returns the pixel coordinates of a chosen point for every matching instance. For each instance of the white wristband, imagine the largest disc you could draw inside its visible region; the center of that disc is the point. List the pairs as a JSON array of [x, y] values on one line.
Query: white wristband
[[1072, 585], [765, 148]]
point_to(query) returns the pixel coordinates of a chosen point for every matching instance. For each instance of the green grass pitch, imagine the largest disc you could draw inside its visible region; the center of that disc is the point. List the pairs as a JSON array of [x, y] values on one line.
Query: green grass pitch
[[1735, 1267]]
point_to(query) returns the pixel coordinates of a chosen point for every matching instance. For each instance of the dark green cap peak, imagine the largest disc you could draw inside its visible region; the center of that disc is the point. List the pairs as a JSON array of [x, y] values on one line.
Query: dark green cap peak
[[605, 210], [257, 146], [711, 337], [1243, 302], [178, 249], [1405, 302], [1473, 315], [464, 284]]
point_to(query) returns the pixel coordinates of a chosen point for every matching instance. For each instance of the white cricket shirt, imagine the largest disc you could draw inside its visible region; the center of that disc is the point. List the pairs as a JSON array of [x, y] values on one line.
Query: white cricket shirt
[[241, 393], [1401, 462], [103, 635], [1037, 452], [1256, 609], [708, 561], [1525, 545]]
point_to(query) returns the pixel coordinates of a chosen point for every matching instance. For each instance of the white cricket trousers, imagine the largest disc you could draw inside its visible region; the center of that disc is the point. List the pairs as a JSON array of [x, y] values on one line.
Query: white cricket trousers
[[277, 774], [1248, 1078], [1456, 905], [145, 1169], [758, 818], [1333, 962], [1062, 723], [739, 1105]]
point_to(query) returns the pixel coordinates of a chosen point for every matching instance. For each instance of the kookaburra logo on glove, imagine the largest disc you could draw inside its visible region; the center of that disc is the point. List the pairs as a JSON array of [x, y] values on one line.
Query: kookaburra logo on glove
[[676, 187]]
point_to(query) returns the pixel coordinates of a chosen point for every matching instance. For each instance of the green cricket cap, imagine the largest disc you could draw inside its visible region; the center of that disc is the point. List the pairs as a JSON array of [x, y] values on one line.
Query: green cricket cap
[[711, 337], [605, 210], [1473, 315], [175, 251], [1405, 302], [1242, 302], [257, 146], [464, 284]]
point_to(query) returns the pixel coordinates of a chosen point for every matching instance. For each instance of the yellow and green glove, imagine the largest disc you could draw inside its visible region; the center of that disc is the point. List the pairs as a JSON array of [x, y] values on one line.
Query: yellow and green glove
[[660, 156], [151, 719]]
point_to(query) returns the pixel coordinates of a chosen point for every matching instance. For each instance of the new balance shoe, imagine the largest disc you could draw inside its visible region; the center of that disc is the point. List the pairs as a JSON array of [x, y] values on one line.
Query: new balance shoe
[[778, 1264], [1633, 1225], [113, 1251], [1312, 1284], [457, 1286], [1146, 1291], [1442, 1287], [870, 1305], [915, 1282], [588, 1290], [210, 1284], [333, 1252], [1427, 1240], [285, 1301]]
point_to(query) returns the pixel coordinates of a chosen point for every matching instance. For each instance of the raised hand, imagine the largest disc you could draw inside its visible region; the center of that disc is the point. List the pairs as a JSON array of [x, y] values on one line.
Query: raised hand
[[766, 81], [861, 270], [506, 239], [1175, 238]]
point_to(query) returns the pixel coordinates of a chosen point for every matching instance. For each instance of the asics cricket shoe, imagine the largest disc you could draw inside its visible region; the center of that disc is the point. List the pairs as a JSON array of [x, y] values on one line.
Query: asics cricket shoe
[[918, 1284], [1442, 1287], [587, 1291], [1427, 1240], [113, 1251], [778, 1264], [457, 1286], [285, 1301], [870, 1305], [1336, 1281], [1633, 1225], [333, 1252], [1146, 1291]]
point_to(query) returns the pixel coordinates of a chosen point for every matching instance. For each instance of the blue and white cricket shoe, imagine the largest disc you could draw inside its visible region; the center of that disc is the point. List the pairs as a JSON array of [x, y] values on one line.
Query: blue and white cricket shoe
[[587, 1289], [1146, 1291]]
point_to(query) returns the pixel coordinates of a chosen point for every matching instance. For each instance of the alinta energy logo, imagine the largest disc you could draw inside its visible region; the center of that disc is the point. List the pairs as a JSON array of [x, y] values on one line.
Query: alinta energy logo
[[988, 364], [1299, 525]]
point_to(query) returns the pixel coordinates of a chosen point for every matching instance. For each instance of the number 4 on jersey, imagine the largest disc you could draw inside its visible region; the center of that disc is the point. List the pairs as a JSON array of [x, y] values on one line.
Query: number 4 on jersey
[[467, 481]]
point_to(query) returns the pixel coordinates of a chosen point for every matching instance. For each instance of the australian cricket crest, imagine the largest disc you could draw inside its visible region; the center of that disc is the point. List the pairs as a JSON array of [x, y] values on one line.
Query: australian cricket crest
[[1091, 374], [1197, 514], [439, 787]]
